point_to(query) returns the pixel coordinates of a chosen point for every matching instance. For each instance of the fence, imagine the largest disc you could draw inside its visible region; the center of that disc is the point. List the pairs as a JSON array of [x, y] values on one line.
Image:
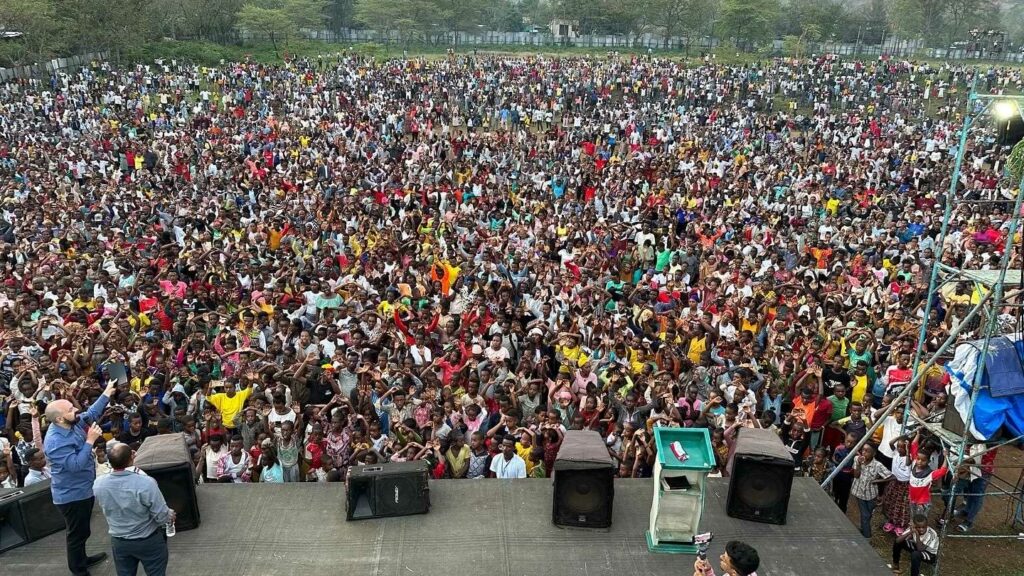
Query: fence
[[46, 68], [897, 47], [491, 38]]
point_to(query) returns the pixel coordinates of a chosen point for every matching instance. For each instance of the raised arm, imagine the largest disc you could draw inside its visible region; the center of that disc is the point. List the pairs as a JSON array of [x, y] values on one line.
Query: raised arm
[[95, 411]]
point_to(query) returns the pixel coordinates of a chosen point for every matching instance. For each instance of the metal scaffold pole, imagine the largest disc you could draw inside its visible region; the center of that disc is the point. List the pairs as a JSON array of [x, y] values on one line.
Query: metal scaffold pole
[[990, 304], [986, 310]]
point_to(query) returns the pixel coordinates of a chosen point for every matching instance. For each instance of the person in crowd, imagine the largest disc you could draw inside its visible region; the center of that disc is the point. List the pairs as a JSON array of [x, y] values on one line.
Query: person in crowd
[[739, 559], [507, 464], [921, 541], [350, 261], [868, 473]]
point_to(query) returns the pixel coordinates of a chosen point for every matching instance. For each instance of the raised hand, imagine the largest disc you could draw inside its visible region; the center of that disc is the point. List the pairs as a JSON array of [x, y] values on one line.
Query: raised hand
[[93, 433]]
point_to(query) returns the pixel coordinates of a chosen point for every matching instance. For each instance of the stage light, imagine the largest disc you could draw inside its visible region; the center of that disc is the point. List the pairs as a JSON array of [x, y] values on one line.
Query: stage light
[[1004, 110]]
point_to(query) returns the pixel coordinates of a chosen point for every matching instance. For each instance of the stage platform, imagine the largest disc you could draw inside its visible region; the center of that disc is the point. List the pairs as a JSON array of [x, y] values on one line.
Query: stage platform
[[492, 527]]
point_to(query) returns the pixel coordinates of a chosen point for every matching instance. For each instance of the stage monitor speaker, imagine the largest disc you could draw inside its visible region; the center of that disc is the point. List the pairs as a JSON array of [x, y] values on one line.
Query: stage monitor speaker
[[760, 477], [396, 489], [165, 458], [951, 420], [584, 482], [27, 514]]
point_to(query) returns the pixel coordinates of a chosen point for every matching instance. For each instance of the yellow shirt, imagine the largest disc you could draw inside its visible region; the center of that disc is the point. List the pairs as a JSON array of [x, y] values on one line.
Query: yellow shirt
[[860, 386], [697, 348], [229, 407], [574, 354], [274, 239], [524, 453], [832, 206]]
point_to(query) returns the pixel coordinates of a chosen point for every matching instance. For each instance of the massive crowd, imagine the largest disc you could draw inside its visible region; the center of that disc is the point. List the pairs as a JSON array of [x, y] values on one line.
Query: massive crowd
[[339, 261]]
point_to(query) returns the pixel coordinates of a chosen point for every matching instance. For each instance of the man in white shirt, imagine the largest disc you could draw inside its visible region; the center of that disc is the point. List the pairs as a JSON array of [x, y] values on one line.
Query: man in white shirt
[[496, 353], [509, 464]]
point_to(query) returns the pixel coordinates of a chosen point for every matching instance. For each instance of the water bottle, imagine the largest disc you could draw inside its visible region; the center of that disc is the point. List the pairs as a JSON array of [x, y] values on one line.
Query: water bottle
[[169, 528]]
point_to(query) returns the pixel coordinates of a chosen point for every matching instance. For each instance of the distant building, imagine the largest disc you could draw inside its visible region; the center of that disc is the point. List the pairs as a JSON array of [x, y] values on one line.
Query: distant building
[[564, 29]]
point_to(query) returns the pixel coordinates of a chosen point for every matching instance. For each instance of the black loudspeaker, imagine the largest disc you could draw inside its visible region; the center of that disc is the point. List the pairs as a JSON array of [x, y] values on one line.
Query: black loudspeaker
[[27, 514], [760, 477], [584, 482], [952, 422], [165, 458], [378, 491]]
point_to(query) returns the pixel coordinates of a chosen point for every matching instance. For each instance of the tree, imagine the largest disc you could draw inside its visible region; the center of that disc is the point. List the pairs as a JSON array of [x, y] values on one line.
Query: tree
[[506, 15], [814, 19], [964, 15], [750, 21], [461, 15], [341, 13], [586, 13], [194, 19], [279, 19], [40, 29], [112, 25], [410, 18], [681, 17]]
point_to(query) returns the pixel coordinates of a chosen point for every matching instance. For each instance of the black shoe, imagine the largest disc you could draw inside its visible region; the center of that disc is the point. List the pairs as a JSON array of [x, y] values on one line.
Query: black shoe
[[95, 559]]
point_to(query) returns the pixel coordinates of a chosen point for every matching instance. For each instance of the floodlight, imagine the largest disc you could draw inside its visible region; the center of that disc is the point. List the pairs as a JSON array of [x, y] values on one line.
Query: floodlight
[[1004, 110]]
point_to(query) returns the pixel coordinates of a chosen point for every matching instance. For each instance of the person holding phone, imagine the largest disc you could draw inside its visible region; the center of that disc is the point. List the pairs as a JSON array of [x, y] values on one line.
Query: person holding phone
[[739, 559]]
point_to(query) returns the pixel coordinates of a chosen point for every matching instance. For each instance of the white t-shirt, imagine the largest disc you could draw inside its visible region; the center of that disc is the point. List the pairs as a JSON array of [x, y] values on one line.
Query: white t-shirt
[[495, 356], [514, 468], [274, 417], [890, 430]]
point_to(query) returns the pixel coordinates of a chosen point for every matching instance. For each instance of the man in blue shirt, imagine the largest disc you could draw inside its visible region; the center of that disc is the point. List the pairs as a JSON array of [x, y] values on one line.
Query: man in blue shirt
[[136, 513], [68, 447]]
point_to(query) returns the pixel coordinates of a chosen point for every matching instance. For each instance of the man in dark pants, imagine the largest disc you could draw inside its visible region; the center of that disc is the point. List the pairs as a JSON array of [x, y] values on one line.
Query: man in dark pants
[[136, 513], [68, 447]]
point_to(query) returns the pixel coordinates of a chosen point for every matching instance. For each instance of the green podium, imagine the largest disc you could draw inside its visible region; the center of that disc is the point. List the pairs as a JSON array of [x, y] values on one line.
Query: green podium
[[685, 458]]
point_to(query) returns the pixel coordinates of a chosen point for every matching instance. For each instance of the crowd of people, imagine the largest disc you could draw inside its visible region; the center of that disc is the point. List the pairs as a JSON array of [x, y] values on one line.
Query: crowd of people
[[340, 261]]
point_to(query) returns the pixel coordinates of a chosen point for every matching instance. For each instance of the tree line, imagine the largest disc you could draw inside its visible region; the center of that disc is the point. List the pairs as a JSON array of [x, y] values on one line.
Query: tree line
[[35, 30]]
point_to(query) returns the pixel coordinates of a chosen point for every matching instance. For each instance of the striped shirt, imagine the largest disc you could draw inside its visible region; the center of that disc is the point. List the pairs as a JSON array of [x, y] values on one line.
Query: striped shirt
[[864, 487]]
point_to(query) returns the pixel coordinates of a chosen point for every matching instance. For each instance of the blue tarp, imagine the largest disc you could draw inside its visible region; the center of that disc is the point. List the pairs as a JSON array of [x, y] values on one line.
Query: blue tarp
[[991, 413]]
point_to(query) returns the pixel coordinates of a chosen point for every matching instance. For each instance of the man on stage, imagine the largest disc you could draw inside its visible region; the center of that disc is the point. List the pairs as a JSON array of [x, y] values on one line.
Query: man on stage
[[136, 513], [68, 447]]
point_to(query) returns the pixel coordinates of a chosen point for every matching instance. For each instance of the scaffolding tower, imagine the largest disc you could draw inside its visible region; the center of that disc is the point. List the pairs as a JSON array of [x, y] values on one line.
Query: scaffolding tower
[[985, 114], [993, 113]]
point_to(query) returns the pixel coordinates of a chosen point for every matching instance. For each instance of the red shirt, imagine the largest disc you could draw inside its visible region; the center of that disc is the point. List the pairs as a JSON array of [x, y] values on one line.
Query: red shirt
[[315, 452], [921, 480]]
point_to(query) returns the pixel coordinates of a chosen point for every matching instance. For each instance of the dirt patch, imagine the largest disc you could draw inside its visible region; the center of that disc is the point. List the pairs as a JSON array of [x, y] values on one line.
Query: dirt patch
[[970, 556]]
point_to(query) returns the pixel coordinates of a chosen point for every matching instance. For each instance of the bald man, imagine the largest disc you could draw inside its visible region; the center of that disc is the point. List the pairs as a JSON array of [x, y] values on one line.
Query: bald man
[[136, 513], [68, 447]]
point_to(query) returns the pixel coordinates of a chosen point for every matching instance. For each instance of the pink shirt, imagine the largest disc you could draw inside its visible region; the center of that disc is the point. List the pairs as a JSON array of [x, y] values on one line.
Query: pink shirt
[[175, 290]]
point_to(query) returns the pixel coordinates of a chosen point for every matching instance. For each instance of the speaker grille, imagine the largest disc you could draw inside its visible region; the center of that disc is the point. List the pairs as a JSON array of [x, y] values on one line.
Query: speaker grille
[[387, 490], [28, 514], [583, 498], [12, 526], [399, 495], [42, 517], [759, 490]]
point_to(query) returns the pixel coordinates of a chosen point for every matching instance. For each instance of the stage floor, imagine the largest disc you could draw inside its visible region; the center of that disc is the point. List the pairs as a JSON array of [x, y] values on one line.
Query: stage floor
[[492, 527]]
